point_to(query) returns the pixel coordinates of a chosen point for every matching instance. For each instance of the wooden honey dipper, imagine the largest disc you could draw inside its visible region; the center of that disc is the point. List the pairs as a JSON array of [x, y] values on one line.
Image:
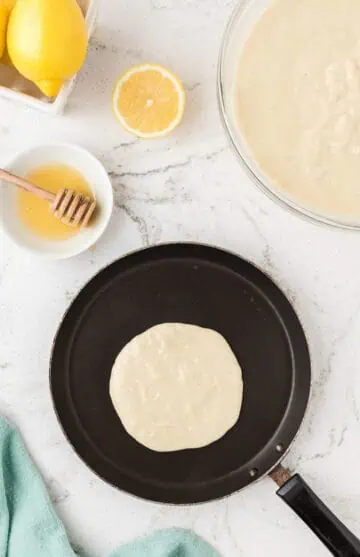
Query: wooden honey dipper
[[67, 205]]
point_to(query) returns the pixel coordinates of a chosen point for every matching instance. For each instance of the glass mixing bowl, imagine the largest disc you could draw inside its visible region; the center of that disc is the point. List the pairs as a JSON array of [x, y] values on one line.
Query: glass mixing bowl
[[239, 27]]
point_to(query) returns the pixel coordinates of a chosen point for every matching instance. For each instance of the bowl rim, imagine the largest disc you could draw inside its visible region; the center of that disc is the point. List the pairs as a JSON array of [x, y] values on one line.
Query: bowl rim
[[99, 229], [270, 191]]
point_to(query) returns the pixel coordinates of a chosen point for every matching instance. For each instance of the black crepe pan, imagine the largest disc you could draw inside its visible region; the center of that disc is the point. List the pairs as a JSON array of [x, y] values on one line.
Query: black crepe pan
[[205, 286]]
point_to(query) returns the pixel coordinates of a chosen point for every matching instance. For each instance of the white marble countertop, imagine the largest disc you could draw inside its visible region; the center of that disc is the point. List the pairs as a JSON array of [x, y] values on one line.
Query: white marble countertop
[[186, 187]]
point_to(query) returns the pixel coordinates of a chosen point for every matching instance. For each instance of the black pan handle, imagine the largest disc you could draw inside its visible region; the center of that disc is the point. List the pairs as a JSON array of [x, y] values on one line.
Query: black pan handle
[[333, 533]]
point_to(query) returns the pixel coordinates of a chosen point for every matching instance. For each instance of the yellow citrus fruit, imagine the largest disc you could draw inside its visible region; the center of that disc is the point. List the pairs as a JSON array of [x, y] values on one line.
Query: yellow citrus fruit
[[149, 100], [9, 4], [5, 8], [3, 25], [47, 41]]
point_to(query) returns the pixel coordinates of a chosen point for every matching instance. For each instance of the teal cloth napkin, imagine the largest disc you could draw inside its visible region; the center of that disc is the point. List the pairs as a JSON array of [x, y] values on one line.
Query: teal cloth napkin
[[29, 526]]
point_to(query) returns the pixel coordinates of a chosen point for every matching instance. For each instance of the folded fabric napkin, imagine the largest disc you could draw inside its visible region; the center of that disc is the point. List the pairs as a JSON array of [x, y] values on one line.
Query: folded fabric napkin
[[29, 526]]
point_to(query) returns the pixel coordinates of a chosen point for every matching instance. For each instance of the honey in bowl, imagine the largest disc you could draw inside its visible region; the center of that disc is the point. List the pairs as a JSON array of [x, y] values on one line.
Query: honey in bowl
[[35, 212]]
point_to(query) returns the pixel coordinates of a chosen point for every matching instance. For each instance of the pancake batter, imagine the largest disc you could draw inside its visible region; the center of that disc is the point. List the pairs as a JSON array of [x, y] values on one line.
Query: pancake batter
[[298, 101], [177, 387]]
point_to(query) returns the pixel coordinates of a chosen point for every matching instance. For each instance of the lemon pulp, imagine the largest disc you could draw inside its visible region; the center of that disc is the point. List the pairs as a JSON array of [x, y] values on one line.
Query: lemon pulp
[[149, 100], [35, 212]]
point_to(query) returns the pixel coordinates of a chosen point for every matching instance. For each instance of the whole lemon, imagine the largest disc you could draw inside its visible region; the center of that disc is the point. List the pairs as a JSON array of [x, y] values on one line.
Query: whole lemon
[[47, 41], [5, 8], [3, 25]]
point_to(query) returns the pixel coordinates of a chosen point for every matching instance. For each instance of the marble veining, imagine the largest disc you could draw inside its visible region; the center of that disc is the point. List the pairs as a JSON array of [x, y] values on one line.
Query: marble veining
[[189, 187]]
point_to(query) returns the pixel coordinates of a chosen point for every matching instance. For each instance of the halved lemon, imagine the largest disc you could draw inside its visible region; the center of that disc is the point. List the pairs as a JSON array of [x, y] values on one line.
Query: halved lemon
[[149, 101]]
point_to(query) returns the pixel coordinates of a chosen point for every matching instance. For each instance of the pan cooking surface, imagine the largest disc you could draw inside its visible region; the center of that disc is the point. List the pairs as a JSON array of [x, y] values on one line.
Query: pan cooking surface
[[188, 284]]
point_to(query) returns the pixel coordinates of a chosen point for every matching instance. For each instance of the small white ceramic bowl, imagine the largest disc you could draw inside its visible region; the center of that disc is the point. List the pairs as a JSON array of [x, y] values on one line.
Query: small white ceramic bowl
[[93, 172]]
